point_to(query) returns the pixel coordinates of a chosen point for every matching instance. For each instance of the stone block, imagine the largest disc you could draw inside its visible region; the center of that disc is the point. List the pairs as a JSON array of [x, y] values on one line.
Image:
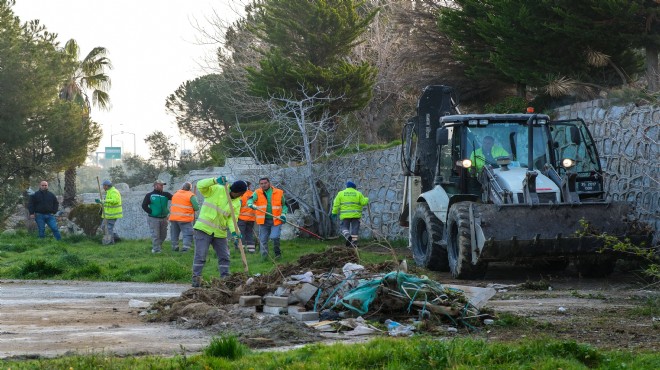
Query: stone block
[[276, 301], [274, 310], [294, 309], [249, 300], [306, 316], [248, 310], [305, 293]]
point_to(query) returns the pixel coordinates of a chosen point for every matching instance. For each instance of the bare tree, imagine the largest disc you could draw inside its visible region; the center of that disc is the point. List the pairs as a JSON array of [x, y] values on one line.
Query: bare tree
[[306, 134]]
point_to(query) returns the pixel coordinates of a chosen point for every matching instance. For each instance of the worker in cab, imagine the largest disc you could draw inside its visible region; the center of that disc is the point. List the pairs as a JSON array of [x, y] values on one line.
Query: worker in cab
[[487, 154]]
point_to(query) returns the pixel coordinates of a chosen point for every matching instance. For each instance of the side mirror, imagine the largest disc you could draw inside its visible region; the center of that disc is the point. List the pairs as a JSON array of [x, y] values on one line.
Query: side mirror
[[442, 136]]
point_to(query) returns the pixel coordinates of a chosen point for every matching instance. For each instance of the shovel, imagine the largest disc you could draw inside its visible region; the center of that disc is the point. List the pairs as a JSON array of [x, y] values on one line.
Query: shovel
[[107, 238]]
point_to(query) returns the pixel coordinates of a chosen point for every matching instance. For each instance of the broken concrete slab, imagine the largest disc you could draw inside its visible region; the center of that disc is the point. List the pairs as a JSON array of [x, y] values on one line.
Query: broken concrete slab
[[249, 300], [476, 296]]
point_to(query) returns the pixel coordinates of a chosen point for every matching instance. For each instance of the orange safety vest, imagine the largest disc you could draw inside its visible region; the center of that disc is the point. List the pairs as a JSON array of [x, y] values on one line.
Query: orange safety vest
[[247, 213], [275, 205], [182, 209]]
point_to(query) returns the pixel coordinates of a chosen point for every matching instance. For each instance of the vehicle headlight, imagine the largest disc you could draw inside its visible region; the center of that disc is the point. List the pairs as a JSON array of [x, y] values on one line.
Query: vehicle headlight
[[567, 163], [465, 163]]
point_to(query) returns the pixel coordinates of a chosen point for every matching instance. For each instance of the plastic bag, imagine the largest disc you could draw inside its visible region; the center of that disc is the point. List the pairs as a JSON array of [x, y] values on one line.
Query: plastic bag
[[397, 330]]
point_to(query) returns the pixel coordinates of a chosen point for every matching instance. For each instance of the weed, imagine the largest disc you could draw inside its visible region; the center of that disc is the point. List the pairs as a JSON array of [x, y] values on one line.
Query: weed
[[650, 308], [535, 285], [510, 320], [226, 346]]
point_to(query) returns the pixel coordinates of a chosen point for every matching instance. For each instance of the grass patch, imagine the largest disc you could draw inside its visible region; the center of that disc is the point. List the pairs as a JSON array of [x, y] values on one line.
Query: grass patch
[[380, 353], [85, 258], [507, 319], [226, 346], [651, 307], [535, 285], [38, 269]]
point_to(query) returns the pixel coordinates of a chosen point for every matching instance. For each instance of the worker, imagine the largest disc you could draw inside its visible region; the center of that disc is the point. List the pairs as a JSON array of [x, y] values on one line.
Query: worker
[[155, 204], [246, 221], [487, 154], [271, 209], [215, 218], [112, 210], [182, 214], [348, 204], [42, 207]]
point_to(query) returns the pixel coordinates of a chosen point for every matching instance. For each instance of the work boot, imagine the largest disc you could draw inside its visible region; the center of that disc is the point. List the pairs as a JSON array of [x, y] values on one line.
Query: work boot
[[175, 249], [186, 248], [196, 281]]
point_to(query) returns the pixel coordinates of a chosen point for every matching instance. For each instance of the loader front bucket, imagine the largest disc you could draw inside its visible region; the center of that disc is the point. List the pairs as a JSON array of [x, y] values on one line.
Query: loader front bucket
[[520, 231]]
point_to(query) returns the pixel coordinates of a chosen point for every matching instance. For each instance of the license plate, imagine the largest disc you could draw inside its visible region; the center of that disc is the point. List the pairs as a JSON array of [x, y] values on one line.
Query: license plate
[[588, 186]]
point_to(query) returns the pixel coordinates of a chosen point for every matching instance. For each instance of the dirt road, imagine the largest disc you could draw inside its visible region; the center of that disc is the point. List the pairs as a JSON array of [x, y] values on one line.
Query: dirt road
[[50, 318]]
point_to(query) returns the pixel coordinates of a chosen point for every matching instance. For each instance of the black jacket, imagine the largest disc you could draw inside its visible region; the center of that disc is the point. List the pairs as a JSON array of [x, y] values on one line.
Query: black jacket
[[43, 201]]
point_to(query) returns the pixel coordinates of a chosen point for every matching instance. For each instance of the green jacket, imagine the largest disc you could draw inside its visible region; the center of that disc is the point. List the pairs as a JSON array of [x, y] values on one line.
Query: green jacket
[[215, 216], [478, 158], [112, 204], [348, 203]]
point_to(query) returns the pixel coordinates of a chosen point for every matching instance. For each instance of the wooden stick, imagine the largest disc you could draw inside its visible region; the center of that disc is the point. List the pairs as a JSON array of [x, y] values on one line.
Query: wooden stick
[[233, 218]]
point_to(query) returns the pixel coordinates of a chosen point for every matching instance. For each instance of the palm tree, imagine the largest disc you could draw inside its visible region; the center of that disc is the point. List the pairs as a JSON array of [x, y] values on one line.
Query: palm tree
[[88, 75]]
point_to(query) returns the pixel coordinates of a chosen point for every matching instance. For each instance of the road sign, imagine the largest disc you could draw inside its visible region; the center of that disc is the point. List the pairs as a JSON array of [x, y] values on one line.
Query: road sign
[[112, 152]]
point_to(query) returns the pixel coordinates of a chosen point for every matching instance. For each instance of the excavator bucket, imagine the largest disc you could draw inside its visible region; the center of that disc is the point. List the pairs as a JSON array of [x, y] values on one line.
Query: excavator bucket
[[507, 232]]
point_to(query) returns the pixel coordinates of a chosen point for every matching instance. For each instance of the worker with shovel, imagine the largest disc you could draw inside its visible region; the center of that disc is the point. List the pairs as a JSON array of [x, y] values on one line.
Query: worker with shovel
[[112, 211], [215, 217], [348, 204], [271, 206]]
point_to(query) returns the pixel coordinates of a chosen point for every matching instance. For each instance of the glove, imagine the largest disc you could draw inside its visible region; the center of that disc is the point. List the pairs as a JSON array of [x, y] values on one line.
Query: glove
[[283, 218], [222, 180], [235, 235], [97, 201], [333, 216], [252, 206]]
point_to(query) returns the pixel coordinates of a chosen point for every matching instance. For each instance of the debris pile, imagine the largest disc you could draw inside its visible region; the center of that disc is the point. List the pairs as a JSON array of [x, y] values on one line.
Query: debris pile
[[328, 292]]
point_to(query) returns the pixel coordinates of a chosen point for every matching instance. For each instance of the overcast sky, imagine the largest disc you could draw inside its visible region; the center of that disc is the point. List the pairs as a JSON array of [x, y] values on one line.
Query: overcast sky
[[153, 47]]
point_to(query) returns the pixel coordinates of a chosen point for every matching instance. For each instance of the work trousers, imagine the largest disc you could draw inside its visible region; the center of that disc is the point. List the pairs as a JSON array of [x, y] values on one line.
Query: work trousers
[[43, 219], [158, 227], [111, 228], [202, 243], [247, 231], [183, 228], [350, 228], [269, 231]]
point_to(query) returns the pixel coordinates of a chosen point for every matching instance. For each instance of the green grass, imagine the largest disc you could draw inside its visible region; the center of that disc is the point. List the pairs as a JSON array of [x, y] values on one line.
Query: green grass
[[380, 353], [25, 256]]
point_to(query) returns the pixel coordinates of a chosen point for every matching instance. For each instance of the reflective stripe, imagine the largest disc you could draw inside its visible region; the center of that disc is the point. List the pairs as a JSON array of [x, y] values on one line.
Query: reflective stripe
[[207, 223], [182, 206], [216, 208]]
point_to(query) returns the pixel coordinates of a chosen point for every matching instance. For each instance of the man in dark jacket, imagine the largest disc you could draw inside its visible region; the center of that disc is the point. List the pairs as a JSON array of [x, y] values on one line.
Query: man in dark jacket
[[42, 206], [155, 204]]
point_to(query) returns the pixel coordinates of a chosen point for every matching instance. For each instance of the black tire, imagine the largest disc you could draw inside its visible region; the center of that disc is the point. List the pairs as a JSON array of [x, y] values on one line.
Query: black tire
[[459, 243], [595, 266], [426, 237]]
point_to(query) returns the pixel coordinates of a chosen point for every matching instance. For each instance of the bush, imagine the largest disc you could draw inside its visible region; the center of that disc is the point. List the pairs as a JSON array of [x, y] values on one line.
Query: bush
[[87, 217]]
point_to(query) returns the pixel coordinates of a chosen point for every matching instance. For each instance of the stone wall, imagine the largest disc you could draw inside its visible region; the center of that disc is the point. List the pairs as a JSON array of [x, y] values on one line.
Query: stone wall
[[628, 141]]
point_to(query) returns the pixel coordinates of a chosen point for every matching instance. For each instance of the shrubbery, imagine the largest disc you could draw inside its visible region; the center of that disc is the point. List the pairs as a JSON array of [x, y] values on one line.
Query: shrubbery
[[87, 217]]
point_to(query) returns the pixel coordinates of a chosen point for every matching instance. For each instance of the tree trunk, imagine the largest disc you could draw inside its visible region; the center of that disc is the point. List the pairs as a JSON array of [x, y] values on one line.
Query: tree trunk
[[652, 68], [69, 187]]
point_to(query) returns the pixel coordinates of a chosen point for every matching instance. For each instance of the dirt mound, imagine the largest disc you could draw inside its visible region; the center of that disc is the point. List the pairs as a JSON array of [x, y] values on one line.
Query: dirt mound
[[215, 305]]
